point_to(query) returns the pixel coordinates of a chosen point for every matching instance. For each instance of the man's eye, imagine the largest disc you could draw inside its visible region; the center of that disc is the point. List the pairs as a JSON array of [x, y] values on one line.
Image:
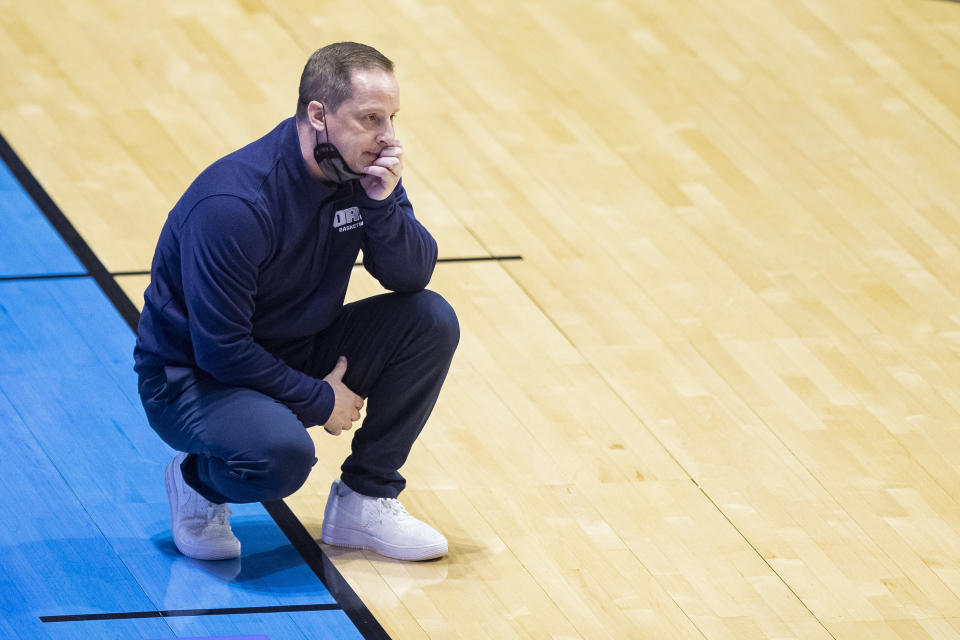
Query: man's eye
[[372, 117]]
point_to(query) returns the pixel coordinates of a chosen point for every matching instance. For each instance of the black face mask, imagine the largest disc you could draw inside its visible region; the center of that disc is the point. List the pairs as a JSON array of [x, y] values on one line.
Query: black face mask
[[331, 163]]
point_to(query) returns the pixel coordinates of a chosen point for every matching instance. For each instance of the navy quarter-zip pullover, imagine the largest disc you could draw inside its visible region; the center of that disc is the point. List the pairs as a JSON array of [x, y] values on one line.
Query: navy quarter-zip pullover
[[256, 255]]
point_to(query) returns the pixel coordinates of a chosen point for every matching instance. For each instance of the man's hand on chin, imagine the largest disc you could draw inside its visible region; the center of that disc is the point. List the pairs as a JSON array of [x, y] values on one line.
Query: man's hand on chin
[[384, 174]]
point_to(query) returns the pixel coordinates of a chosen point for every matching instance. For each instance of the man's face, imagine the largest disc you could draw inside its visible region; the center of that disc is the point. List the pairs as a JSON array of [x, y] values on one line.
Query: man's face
[[363, 125]]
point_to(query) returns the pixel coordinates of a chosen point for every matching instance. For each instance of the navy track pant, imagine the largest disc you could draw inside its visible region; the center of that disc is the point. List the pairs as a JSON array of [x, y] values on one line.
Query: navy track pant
[[245, 446]]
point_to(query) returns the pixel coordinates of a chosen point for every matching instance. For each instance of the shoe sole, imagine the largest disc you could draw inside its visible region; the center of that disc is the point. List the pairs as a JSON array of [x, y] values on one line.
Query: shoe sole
[[185, 547], [353, 539]]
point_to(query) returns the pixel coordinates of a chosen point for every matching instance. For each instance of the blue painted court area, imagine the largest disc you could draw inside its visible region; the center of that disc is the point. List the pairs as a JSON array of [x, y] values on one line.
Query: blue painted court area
[[29, 244], [85, 540]]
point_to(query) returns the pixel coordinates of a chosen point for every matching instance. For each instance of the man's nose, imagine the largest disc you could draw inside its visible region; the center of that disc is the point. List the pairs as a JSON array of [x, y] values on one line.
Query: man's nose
[[387, 134]]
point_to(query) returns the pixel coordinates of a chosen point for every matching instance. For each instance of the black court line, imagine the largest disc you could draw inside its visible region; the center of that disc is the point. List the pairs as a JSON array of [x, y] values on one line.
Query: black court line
[[299, 537], [360, 263], [120, 274], [44, 276], [146, 272], [484, 258], [321, 565], [179, 613]]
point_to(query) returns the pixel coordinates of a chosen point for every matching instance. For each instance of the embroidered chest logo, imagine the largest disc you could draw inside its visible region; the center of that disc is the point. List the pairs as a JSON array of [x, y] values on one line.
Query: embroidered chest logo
[[347, 219]]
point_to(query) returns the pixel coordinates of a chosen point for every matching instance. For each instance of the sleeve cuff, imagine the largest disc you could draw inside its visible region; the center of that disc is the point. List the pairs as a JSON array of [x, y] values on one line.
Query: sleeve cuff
[[318, 412], [369, 203]]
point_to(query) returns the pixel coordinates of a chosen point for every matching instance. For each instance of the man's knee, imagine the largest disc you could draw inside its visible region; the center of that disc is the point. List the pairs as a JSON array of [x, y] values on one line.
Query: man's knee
[[439, 319], [288, 464]]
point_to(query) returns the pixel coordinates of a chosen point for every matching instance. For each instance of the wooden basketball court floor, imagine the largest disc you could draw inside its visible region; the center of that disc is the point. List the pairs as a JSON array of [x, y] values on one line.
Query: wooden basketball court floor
[[706, 259]]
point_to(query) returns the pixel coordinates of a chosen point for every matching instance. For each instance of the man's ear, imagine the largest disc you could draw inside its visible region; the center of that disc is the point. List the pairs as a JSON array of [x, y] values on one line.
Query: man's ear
[[315, 114]]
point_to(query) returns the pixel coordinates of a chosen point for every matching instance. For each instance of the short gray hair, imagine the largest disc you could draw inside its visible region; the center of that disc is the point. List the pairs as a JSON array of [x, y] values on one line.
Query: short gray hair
[[327, 75]]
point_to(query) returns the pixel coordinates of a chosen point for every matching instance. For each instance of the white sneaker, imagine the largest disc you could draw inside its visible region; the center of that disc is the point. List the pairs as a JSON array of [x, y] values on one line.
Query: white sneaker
[[200, 527], [357, 521]]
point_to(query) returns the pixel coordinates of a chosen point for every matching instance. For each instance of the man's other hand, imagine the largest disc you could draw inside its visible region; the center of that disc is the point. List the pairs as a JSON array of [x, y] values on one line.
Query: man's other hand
[[346, 404]]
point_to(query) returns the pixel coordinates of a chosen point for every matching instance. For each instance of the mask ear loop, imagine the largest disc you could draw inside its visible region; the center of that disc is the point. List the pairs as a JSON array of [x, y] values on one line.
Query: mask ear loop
[[325, 132]]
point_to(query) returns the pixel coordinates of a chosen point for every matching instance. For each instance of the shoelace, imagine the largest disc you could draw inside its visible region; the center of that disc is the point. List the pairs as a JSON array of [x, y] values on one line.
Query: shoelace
[[393, 507], [218, 514]]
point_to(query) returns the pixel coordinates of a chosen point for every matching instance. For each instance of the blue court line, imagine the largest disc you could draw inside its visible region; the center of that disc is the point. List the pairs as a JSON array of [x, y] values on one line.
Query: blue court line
[[86, 526]]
